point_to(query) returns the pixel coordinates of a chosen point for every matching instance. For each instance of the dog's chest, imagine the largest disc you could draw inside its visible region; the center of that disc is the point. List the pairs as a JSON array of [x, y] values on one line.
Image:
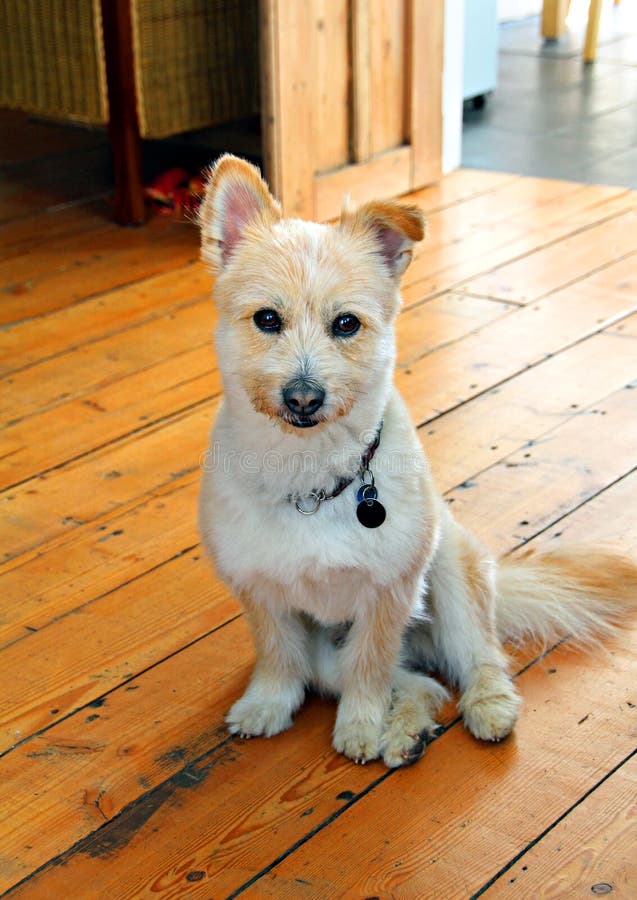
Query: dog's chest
[[326, 564]]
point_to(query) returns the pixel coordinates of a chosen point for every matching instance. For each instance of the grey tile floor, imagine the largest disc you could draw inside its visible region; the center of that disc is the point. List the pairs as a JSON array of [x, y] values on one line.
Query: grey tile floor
[[553, 116]]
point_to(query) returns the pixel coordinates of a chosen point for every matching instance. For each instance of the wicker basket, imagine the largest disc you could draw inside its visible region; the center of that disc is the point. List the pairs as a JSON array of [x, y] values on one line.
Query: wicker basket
[[52, 59], [196, 61]]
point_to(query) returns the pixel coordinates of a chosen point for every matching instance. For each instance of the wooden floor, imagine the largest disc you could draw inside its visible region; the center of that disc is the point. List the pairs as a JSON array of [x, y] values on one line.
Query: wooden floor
[[121, 652]]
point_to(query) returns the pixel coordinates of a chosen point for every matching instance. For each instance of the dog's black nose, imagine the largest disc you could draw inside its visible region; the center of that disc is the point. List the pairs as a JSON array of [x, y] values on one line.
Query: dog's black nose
[[303, 398]]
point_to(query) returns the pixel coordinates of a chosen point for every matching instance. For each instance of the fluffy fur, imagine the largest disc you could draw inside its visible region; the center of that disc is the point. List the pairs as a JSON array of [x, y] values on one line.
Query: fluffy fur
[[355, 612]]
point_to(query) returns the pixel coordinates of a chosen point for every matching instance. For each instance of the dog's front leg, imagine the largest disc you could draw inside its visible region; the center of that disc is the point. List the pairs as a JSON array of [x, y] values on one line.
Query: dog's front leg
[[367, 662], [277, 686]]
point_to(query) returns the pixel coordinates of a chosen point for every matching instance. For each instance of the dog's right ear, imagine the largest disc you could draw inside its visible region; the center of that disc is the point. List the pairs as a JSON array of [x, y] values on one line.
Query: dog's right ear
[[235, 198]]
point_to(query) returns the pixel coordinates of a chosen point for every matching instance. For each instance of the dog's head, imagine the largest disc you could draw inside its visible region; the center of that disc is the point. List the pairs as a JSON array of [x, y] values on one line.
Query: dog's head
[[306, 310]]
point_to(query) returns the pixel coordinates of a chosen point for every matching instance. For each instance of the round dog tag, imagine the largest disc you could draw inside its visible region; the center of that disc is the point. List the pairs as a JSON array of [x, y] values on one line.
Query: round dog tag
[[370, 513]]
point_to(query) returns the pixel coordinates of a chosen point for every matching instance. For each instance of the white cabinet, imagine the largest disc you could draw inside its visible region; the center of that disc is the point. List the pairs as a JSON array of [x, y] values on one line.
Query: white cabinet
[[480, 48]]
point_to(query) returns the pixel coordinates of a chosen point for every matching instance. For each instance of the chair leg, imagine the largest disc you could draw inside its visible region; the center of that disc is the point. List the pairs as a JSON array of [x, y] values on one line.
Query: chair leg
[[554, 18], [592, 30]]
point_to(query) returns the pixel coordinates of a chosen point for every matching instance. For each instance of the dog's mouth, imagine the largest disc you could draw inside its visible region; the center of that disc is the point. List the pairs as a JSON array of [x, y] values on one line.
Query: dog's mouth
[[301, 421]]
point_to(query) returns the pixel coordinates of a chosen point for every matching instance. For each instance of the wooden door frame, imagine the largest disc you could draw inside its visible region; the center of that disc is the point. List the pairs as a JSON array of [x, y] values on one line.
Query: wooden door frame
[[287, 101], [287, 98]]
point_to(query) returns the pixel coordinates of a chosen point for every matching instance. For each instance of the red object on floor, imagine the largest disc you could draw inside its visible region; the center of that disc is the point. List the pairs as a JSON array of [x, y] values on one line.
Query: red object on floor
[[175, 191]]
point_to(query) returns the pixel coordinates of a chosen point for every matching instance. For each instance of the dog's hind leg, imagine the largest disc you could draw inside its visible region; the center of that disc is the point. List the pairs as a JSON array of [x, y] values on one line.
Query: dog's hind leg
[[415, 698], [463, 630], [281, 672], [411, 723]]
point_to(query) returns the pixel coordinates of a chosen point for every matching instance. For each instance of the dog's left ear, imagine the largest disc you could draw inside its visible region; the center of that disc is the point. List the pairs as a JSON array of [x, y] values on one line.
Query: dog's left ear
[[394, 226], [236, 198]]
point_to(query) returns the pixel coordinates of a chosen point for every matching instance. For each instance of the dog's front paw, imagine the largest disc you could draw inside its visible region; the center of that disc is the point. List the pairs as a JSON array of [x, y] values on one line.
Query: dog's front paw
[[490, 708], [358, 740], [254, 715]]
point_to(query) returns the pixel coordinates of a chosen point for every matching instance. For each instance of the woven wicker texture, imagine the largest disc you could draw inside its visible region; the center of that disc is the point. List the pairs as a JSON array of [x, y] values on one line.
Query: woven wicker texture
[[51, 58], [197, 63]]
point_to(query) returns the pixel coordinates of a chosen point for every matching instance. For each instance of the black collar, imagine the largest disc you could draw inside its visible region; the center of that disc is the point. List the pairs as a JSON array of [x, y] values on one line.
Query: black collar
[[314, 499]]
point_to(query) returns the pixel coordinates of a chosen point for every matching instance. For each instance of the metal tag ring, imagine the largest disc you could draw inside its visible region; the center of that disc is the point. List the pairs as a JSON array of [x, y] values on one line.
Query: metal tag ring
[[371, 475], [316, 496]]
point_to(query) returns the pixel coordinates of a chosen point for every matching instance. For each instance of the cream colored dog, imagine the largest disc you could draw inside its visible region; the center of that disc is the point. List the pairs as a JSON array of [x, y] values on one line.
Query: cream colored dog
[[319, 509]]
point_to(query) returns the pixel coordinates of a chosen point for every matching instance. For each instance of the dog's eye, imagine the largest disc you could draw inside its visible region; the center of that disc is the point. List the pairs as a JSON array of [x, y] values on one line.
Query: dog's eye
[[267, 320], [345, 325]]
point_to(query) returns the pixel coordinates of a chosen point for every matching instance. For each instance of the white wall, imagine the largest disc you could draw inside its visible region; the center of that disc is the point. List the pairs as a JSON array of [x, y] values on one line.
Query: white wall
[[509, 10], [452, 85]]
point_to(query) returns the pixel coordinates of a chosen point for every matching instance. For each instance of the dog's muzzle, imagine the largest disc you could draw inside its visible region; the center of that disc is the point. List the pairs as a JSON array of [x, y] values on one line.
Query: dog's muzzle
[[303, 399]]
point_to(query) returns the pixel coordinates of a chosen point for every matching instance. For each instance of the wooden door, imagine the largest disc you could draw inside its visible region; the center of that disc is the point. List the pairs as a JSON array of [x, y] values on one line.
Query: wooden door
[[352, 99]]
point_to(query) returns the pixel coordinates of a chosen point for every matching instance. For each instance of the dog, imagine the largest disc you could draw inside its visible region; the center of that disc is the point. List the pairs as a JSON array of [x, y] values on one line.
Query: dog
[[320, 511]]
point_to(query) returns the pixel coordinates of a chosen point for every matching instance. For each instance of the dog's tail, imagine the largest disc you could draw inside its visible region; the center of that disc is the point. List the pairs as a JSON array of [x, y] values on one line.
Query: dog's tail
[[584, 593]]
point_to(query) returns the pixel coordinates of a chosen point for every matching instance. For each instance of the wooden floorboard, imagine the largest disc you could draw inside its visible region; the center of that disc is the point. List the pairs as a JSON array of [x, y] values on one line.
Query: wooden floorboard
[[120, 652], [479, 254], [593, 845], [111, 312]]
